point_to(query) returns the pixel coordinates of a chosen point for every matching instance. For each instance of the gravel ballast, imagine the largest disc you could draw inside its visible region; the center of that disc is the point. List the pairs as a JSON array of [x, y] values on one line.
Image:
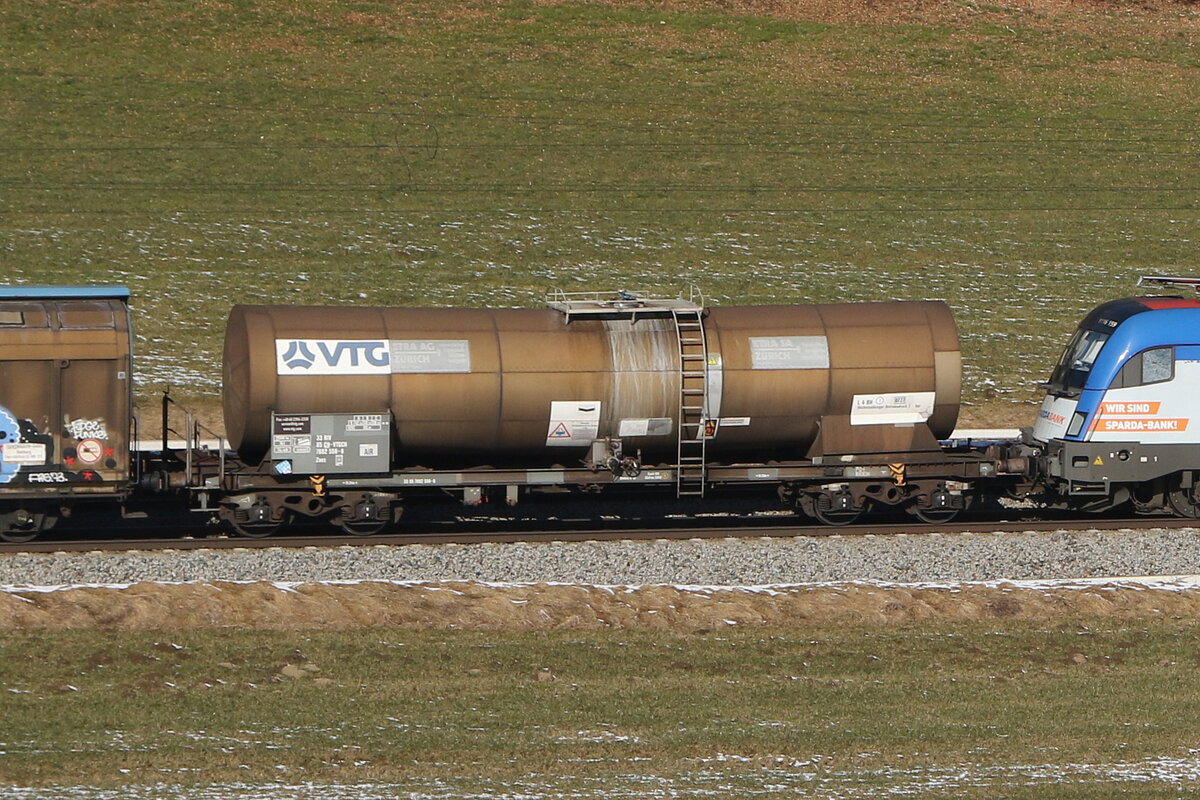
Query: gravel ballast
[[721, 562]]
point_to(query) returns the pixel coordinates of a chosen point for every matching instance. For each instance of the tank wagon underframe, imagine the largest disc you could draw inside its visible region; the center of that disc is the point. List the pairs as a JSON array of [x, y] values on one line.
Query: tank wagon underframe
[[835, 492]]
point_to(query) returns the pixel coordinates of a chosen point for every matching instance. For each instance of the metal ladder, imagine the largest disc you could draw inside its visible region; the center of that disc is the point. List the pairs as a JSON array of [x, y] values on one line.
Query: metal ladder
[[690, 471]]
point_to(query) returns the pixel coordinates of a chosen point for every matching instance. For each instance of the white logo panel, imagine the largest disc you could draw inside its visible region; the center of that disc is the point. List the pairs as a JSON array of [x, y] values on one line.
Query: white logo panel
[[332, 357], [789, 352], [371, 356]]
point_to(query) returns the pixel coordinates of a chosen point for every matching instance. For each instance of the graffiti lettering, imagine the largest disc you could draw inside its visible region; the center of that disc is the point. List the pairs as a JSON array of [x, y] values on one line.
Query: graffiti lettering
[[87, 429], [48, 477]]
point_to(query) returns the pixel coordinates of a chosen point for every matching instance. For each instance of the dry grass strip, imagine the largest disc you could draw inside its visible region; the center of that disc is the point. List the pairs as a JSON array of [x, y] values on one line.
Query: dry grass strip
[[476, 606]]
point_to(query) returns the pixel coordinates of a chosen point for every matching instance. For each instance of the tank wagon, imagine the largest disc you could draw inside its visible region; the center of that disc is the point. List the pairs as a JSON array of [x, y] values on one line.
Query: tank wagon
[[348, 415], [596, 391]]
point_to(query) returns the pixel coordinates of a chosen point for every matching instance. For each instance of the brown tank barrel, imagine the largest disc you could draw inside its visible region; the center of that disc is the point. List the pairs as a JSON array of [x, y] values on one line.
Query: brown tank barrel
[[471, 386]]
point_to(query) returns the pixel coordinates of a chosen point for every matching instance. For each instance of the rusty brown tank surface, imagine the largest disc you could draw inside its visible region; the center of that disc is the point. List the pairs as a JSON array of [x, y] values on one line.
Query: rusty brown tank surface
[[531, 386]]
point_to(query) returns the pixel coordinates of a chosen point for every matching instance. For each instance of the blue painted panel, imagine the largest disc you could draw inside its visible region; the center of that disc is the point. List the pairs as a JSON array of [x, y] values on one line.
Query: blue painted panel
[[1158, 328]]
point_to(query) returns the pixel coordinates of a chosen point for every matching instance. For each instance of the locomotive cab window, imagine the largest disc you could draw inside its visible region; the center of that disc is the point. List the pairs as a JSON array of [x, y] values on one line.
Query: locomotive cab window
[[1077, 361], [1150, 366], [12, 317]]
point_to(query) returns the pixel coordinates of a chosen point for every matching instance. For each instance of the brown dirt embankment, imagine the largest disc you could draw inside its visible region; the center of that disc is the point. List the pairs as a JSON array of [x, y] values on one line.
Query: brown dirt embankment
[[452, 605]]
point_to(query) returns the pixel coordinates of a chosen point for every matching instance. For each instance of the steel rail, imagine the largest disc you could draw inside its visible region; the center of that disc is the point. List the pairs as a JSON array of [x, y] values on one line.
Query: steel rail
[[432, 535]]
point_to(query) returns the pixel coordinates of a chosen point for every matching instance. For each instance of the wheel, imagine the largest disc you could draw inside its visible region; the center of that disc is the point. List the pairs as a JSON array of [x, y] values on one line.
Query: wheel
[[255, 530], [362, 527], [1182, 499], [364, 515], [1150, 497], [259, 529], [18, 535], [819, 509], [933, 516], [838, 518]]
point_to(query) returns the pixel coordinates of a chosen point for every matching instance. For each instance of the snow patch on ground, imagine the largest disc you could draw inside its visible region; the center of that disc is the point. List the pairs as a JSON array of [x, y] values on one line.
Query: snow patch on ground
[[723, 775], [1182, 583]]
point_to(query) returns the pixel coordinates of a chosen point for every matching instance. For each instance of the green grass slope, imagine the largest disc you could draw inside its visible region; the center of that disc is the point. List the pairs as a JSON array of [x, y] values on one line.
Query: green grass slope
[[980, 710]]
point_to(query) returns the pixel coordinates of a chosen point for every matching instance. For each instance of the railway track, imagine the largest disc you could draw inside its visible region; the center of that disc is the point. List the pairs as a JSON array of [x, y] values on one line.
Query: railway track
[[85, 540]]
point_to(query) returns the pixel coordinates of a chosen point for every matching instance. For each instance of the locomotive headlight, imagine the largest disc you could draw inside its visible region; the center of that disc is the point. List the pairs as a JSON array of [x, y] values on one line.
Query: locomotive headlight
[[1076, 423]]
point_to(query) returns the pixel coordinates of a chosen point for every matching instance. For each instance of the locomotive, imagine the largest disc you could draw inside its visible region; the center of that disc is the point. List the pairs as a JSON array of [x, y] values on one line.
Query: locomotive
[[1121, 416], [349, 415]]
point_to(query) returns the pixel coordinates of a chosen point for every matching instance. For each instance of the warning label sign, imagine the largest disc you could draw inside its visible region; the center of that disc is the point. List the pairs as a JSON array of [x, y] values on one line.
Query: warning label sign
[[573, 423]]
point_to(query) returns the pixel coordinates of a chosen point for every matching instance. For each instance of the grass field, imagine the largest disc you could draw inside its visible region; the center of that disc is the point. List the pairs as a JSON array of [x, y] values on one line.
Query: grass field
[[1022, 162], [1083, 709]]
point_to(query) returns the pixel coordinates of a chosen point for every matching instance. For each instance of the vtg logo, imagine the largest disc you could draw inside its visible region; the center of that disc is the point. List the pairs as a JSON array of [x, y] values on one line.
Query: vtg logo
[[332, 357], [298, 356]]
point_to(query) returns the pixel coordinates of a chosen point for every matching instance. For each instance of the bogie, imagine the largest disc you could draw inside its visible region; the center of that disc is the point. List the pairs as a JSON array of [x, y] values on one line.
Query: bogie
[[21, 525]]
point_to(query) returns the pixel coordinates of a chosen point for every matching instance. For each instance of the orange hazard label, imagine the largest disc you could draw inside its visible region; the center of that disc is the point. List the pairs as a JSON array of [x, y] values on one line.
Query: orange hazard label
[[1113, 425], [1130, 408]]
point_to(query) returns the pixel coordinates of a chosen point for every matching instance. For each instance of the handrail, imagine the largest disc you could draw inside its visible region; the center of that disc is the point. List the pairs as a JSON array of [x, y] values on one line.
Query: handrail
[[135, 429], [199, 428], [556, 295], [621, 303], [192, 438]]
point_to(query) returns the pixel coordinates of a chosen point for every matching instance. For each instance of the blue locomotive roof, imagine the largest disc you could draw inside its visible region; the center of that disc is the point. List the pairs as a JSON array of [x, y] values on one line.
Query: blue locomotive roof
[[63, 292], [1169, 325], [1103, 339]]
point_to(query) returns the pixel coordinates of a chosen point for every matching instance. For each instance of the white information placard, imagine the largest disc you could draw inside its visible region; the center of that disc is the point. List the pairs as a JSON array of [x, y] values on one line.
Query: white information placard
[[24, 453], [899, 408], [789, 352]]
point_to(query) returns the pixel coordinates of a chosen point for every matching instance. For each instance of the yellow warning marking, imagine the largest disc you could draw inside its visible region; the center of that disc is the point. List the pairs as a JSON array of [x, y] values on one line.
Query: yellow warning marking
[[1099, 462]]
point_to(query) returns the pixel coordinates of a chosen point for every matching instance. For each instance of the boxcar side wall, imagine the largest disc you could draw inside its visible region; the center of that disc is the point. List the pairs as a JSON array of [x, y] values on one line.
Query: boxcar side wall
[[65, 396]]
